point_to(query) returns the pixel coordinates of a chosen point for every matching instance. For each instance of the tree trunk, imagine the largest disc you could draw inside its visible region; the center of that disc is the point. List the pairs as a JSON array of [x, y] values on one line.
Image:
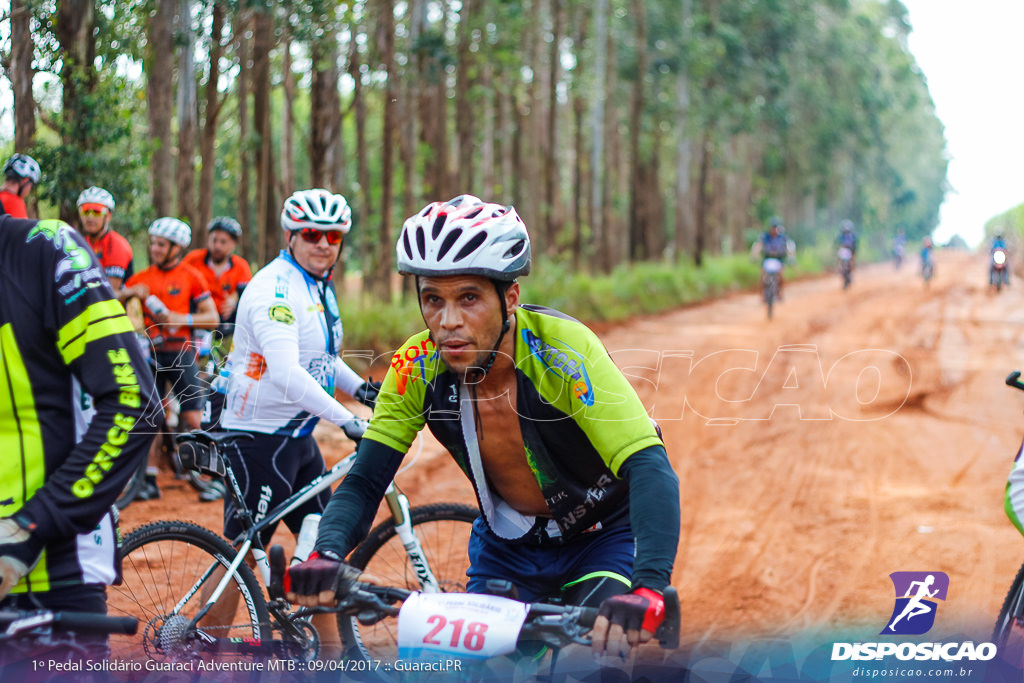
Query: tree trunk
[[463, 83], [187, 115], [250, 236], [325, 111], [597, 133], [287, 118], [551, 184], [700, 238], [75, 22], [385, 243], [160, 76], [683, 214], [637, 226], [362, 156], [267, 209], [20, 73], [579, 105], [207, 146]]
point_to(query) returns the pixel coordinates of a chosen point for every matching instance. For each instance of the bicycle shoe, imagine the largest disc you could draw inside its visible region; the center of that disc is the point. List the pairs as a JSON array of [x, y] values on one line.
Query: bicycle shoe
[[150, 490], [215, 492]]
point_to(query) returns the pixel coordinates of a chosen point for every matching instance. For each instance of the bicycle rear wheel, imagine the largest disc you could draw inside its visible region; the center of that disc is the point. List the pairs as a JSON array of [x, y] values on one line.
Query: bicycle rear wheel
[[168, 569], [443, 530]]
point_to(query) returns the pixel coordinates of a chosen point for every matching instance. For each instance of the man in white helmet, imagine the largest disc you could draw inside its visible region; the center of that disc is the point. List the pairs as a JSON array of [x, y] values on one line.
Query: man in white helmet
[[95, 209], [21, 174], [176, 301], [285, 366], [577, 497]]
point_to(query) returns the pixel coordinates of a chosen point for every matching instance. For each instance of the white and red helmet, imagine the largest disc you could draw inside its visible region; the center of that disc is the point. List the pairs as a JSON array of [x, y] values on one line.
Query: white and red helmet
[[465, 236], [318, 209]]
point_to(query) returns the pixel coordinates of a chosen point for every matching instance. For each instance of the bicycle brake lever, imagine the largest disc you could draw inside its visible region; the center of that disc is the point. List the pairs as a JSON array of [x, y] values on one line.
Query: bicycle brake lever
[[668, 632]]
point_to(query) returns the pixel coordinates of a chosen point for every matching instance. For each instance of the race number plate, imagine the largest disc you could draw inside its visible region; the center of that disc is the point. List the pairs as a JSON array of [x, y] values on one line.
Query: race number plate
[[459, 624]]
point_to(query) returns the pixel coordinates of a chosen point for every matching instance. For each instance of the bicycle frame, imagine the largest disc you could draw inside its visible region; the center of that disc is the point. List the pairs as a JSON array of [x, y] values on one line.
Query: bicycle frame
[[249, 541]]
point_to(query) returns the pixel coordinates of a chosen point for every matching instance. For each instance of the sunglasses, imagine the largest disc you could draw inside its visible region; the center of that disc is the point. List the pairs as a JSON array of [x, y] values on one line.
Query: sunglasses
[[93, 212], [312, 235]]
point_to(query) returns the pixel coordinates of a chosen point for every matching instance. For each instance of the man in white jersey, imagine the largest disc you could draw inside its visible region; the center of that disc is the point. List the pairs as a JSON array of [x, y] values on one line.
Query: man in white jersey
[[285, 366]]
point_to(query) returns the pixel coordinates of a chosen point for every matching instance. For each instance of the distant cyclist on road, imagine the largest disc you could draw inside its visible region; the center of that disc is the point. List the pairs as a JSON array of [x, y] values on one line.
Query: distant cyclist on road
[[63, 332], [95, 208], [576, 493], [21, 174], [773, 245]]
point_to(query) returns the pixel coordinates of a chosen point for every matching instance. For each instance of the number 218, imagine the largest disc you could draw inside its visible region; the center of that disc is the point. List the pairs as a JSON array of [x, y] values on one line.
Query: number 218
[[473, 640]]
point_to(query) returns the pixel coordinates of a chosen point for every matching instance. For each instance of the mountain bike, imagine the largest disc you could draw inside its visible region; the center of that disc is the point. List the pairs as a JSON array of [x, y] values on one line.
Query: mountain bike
[[471, 637], [845, 255], [1008, 633], [771, 272], [197, 598]]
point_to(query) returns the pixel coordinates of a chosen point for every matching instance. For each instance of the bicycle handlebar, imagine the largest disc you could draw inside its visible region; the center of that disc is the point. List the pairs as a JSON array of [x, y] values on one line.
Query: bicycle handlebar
[[370, 603], [13, 622]]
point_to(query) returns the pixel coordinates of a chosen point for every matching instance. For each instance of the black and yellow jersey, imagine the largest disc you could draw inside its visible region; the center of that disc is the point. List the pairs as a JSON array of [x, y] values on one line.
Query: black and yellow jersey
[[60, 327]]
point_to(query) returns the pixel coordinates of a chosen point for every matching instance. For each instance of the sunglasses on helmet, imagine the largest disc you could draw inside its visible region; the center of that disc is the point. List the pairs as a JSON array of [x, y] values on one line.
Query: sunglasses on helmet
[[313, 235]]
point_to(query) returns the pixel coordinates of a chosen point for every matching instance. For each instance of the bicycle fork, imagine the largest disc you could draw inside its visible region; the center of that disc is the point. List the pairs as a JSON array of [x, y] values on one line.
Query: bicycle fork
[[398, 503]]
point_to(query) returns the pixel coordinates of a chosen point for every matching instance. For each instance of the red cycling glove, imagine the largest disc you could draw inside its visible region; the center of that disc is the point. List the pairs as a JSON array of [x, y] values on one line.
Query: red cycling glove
[[642, 608]]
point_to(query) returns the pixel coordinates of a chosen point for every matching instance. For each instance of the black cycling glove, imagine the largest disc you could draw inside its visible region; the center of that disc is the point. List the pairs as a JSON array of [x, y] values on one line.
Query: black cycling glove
[[641, 609], [321, 572], [367, 393]]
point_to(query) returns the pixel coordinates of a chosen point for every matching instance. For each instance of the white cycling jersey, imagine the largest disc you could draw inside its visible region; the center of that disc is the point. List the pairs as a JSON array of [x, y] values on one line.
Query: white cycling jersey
[[284, 365]]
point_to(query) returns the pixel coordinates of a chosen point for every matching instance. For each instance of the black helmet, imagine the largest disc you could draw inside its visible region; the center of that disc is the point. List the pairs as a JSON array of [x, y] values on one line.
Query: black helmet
[[227, 224]]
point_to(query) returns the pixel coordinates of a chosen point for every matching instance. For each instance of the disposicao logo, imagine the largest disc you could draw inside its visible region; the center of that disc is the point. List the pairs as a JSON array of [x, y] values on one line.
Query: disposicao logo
[[917, 600], [917, 596]]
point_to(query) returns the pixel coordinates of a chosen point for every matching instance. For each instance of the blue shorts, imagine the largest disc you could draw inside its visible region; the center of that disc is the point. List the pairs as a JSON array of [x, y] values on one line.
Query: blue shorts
[[542, 572]]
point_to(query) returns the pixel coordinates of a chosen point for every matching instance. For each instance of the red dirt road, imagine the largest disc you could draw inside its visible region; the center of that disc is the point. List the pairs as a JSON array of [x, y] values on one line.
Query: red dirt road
[[857, 434]]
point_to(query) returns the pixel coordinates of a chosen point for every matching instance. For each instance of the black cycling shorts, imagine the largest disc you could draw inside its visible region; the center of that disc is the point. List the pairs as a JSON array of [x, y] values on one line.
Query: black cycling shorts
[[180, 370], [269, 469]]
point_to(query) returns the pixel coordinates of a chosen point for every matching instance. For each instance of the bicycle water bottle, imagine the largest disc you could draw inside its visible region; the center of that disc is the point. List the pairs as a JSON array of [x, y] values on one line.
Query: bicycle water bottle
[[307, 538]]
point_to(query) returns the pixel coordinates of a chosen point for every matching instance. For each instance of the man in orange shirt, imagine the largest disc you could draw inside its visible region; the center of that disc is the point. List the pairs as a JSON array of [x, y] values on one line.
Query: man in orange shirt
[[176, 300], [225, 273], [21, 174], [95, 207]]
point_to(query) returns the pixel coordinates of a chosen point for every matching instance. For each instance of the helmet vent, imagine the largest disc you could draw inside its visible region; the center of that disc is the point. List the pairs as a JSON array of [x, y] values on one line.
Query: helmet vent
[[438, 224], [408, 247], [472, 245], [516, 249], [449, 242], [421, 242]]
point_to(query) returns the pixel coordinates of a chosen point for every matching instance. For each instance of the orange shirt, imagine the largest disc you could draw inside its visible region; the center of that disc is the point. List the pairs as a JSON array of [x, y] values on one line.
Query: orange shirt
[[13, 204], [223, 285], [114, 254], [181, 289]]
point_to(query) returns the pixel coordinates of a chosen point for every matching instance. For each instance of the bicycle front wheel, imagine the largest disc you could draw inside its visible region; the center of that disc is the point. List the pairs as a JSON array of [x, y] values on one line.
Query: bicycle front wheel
[[443, 530], [1008, 634], [169, 570]]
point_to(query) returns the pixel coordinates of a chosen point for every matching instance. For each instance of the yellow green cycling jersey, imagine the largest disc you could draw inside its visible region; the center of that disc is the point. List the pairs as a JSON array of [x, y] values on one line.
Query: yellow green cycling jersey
[[580, 419], [63, 333]]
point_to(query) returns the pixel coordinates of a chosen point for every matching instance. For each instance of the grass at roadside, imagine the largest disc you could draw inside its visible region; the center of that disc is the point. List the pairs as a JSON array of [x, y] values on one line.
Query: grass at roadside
[[630, 290]]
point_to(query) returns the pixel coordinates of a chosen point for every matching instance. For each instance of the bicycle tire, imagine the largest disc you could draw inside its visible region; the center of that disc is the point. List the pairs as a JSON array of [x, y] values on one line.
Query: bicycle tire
[[162, 566], [443, 530], [133, 488], [1013, 605]]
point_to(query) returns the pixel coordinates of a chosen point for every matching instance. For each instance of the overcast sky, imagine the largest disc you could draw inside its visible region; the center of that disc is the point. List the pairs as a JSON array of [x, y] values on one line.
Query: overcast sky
[[972, 54]]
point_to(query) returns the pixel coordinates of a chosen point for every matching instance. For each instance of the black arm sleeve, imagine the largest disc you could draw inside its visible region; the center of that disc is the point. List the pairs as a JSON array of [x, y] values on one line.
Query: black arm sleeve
[[653, 514], [351, 510]]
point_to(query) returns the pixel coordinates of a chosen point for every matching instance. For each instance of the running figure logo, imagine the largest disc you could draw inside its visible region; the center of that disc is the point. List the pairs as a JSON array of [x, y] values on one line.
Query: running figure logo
[[916, 596]]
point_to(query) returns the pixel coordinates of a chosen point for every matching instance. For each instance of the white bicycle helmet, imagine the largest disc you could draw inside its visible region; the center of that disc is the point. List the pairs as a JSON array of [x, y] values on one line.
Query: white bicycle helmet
[[316, 209], [23, 166], [227, 224], [172, 230], [465, 236], [96, 195]]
